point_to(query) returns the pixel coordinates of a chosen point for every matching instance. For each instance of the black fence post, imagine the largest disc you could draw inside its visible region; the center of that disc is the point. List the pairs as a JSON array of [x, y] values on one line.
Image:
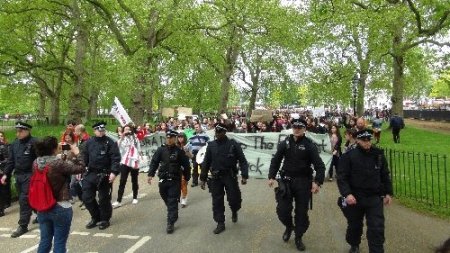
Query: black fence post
[[445, 182]]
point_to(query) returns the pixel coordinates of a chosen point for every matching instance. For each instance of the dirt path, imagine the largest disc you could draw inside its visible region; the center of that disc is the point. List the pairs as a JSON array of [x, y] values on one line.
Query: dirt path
[[434, 126]]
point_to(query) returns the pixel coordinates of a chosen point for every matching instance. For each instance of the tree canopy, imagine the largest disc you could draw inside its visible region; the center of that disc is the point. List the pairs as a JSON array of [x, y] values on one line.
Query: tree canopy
[[72, 57]]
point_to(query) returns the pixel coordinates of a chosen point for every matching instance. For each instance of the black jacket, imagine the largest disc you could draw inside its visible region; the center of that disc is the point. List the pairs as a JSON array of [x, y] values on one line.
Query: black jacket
[[101, 155], [21, 156], [170, 160], [4, 153], [364, 173], [298, 157], [223, 155]]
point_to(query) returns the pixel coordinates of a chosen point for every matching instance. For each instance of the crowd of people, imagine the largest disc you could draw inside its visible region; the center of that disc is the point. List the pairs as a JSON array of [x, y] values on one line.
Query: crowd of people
[[84, 168]]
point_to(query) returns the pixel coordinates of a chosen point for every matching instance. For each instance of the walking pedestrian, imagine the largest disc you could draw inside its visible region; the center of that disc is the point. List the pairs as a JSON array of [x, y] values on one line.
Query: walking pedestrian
[[20, 160], [296, 182], [221, 158], [172, 163], [102, 157], [364, 182]]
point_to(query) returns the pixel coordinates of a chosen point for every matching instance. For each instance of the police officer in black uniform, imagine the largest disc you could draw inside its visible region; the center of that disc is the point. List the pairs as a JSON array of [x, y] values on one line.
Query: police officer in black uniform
[[221, 158], [296, 180], [101, 155], [173, 163], [363, 179], [21, 157]]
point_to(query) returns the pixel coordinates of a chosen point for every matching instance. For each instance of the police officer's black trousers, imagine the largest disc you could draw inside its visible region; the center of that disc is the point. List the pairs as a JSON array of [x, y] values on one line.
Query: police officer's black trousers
[[170, 191], [22, 186], [195, 168], [300, 192], [372, 208], [101, 210], [218, 186]]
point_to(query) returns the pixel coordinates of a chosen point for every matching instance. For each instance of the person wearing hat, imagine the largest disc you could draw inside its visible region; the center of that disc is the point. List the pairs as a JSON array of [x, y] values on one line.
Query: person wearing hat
[[172, 163], [296, 182], [20, 160], [363, 180], [221, 158], [102, 158]]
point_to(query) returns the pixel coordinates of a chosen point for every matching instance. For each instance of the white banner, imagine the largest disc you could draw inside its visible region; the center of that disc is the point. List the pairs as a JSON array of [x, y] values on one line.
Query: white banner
[[119, 112], [258, 148]]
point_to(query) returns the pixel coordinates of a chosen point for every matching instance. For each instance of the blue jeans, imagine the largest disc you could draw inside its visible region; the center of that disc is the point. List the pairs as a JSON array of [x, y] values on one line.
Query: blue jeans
[[54, 224]]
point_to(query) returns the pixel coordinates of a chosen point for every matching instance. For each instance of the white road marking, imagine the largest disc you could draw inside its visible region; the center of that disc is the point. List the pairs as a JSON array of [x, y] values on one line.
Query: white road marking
[[79, 233], [5, 235], [129, 196], [6, 229], [30, 249], [103, 235], [28, 236], [138, 244], [132, 237]]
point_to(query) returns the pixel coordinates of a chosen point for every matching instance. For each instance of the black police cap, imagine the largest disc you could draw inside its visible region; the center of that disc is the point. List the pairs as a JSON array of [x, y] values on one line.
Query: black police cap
[[365, 134], [171, 133], [23, 125], [298, 123], [99, 126]]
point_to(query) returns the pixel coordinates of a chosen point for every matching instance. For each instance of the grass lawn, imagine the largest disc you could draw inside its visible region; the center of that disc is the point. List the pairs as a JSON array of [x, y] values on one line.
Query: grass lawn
[[420, 169]]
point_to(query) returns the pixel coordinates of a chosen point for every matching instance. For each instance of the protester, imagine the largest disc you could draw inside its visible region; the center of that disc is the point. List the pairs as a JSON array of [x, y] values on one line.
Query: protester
[[182, 143], [130, 150]]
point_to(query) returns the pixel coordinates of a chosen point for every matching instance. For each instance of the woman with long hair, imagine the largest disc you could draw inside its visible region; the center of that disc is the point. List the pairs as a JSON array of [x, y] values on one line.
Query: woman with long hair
[[336, 141], [54, 225], [182, 143], [130, 149]]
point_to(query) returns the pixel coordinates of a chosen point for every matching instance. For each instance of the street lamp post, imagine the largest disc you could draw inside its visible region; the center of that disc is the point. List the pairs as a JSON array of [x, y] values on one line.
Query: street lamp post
[[355, 82]]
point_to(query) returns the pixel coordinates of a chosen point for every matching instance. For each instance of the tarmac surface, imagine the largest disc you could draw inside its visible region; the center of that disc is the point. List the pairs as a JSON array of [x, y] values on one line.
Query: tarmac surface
[[141, 227]]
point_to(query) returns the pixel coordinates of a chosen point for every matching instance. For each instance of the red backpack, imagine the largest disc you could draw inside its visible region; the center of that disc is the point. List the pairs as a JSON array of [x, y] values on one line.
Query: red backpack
[[40, 193]]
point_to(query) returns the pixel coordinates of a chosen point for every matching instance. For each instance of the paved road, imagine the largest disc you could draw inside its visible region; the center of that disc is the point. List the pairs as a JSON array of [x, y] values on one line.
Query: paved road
[[141, 227]]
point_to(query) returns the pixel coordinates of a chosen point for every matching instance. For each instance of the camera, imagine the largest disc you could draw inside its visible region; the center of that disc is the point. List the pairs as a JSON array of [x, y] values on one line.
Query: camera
[[65, 147]]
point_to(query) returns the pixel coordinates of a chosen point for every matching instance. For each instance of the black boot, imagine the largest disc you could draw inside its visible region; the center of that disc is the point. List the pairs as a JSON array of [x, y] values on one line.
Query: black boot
[[234, 216], [354, 249], [299, 243], [287, 234], [19, 231], [170, 228], [220, 228], [103, 225], [91, 224], [2, 213]]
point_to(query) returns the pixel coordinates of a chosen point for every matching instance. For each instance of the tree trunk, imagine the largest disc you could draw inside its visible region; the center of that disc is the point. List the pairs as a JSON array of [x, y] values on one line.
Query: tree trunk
[[137, 109], [75, 105], [42, 100], [398, 64], [361, 93], [228, 70], [92, 104]]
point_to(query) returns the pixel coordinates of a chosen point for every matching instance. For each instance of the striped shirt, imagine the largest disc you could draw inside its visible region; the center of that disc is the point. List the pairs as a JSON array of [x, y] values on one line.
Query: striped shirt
[[198, 141]]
